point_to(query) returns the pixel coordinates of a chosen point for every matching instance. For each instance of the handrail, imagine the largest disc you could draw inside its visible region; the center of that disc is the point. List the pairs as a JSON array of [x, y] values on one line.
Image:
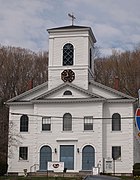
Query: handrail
[[35, 167]]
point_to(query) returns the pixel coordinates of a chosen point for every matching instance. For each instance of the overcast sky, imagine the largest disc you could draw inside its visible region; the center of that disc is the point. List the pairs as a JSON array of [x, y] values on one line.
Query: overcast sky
[[115, 23]]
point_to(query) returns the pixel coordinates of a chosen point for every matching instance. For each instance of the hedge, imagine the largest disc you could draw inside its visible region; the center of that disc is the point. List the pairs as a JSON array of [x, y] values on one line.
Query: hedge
[[3, 168]]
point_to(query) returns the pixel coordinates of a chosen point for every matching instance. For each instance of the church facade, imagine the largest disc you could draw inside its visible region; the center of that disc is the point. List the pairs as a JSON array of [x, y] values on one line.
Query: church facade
[[71, 118]]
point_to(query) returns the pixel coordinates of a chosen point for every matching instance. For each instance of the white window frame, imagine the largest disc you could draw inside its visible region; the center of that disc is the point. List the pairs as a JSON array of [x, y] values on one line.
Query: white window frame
[[46, 120], [117, 150], [88, 122], [23, 154]]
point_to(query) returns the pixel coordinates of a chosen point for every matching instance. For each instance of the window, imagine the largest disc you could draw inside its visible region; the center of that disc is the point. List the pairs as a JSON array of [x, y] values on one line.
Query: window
[[88, 123], [68, 54], [67, 122], [23, 153], [46, 123], [90, 58], [116, 152], [116, 122], [67, 93], [24, 123]]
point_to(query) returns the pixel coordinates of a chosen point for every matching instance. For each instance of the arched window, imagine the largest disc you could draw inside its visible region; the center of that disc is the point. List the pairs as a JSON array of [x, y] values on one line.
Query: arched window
[[24, 123], [116, 122], [68, 54], [67, 122], [67, 92], [45, 157], [88, 157]]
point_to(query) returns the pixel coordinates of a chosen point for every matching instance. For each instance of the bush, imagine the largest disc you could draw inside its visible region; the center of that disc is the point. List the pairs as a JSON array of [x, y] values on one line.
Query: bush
[[136, 172], [3, 168], [136, 169], [136, 166]]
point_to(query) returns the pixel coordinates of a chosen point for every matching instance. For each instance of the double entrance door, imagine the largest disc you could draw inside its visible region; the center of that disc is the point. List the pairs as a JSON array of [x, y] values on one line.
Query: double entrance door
[[67, 156]]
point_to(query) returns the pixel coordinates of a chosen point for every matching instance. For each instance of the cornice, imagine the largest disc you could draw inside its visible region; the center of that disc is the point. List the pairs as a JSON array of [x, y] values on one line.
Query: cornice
[[19, 103], [72, 100], [121, 100]]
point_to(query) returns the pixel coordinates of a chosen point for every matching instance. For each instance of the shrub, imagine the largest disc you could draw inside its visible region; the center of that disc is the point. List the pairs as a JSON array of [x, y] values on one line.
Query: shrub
[[3, 168], [136, 166], [136, 169]]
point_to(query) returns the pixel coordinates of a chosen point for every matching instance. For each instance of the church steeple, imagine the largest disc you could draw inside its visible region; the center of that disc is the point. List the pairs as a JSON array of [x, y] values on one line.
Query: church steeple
[[70, 55]]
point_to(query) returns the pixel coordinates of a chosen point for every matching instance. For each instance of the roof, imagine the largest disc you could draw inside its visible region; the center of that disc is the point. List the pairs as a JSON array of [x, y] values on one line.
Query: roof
[[109, 89], [69, 27], [73, 28], [26, 93]]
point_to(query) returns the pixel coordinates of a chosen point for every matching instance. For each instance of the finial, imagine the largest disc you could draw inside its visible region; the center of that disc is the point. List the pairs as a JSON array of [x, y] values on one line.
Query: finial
[[72, 18]]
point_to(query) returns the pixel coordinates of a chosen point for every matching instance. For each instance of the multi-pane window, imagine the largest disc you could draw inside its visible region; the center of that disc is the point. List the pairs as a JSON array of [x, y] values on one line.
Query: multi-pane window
[[116, 152], [23, 153], [67, 122], [68, 54], [46, 123], [24, 123], [116, 122], [88, 123]]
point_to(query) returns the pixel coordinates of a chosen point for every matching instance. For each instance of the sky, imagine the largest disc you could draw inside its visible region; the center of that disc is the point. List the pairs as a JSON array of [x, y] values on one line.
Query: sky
[[115, 23]]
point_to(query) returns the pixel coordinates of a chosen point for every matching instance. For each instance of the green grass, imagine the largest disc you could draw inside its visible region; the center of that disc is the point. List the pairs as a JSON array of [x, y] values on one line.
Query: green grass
[[54, 178], [38, 178]]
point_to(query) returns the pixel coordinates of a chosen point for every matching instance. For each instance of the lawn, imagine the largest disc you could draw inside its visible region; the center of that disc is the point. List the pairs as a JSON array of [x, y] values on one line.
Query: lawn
[[38, 178], [54, 178]]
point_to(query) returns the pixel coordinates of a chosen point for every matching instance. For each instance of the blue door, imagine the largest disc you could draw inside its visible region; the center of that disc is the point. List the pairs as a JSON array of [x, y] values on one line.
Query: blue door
[[67, 156], [88, 158], [45, 157]]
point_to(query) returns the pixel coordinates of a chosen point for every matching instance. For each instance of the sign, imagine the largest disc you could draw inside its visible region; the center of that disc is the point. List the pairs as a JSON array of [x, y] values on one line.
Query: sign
[[137, 118], [56, 166], [109, 165], [95, 170]]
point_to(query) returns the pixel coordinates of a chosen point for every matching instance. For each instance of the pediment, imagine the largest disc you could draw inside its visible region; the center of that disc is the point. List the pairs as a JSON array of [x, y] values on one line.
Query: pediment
[[71, 92], [67, 91]]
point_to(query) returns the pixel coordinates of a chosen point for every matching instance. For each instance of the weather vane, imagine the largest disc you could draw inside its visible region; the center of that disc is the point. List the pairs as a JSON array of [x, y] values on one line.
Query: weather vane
[[72, 18]]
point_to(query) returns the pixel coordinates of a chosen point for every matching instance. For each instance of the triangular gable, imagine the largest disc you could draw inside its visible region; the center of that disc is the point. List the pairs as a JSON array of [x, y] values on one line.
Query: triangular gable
[[96, 91], [107, 92], [59, 92]]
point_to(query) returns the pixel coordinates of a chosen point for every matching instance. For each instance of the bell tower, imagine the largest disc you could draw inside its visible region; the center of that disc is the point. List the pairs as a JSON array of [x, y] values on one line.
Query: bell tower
[[70, 56]]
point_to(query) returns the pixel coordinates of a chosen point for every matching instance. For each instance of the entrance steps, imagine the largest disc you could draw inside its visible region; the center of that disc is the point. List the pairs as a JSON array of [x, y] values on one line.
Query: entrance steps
[[61, 174]]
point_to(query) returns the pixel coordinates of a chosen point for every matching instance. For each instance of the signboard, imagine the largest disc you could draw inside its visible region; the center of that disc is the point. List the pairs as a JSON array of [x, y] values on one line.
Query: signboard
[[56, 166], [95, 170], [137, 118], [109, 165]]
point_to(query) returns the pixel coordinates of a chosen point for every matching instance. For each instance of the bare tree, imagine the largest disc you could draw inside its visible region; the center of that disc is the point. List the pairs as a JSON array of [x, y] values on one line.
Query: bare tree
[[126, 66], [17, 67]]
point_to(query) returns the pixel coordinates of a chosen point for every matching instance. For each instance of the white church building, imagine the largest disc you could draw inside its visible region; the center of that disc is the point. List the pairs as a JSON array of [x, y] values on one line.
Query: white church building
[[71, 118]]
